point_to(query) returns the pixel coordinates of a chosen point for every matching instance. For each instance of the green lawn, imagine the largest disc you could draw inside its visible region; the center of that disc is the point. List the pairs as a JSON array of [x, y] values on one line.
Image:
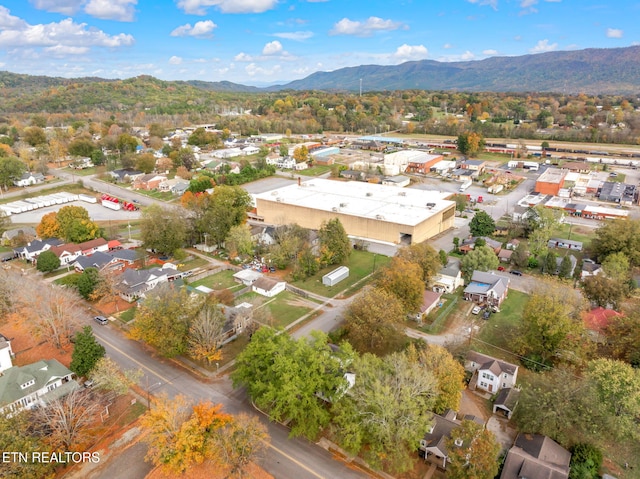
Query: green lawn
[[500, 329], [619, 178], [128, 315], [218, 281], [196, 262], [87, 171], [158, 195], [285, 310], [574, 232], [361, 264], [315, 170]]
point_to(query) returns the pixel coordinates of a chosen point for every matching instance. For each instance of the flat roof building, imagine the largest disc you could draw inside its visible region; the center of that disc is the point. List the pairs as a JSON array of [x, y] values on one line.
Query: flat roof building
[[365, 210], [551, 181]]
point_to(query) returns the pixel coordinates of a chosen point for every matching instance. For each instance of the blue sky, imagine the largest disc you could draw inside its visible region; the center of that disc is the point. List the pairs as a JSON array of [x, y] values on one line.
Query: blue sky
[[256, 42]]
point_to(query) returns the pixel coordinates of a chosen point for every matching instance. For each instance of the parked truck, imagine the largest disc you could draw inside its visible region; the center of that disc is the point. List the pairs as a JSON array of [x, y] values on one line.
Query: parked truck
[[465, 185]]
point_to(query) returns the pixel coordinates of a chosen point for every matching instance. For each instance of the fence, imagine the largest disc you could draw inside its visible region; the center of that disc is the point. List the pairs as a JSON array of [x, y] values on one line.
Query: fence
[[438, 323]]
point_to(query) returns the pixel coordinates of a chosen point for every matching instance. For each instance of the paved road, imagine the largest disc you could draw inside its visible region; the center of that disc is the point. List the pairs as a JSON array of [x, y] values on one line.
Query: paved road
[[287, 458]]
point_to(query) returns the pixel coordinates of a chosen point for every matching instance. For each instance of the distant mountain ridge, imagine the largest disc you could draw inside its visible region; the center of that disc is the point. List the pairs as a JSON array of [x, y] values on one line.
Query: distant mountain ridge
[[592, 71]]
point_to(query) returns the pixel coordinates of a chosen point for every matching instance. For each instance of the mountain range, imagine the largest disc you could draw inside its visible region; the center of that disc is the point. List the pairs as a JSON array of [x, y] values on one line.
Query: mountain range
[[590, 71]]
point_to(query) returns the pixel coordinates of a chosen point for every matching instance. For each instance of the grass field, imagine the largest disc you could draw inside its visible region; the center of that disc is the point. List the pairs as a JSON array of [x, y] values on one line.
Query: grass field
[[361, 264], [574, 232], [315, 171], [128, 315], [285, 308], [196, 262], [218, 281], [158, 195], [500, 329]]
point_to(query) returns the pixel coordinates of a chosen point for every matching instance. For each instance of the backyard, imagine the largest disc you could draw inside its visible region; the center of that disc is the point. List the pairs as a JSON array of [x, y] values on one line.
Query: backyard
[[361, 264], [218, 281], [285, 308]]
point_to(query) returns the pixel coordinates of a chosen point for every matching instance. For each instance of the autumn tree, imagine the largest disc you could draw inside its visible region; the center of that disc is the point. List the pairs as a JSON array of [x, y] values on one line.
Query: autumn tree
[[226, 207], [616, 266], [74, 224], [448, 373], [180, 434], [374, 321], [35, 136], [16, 434], [335, 246], [470, 143], [520, 256], [301, 154], [481, 258], [107, 375], [49, 226], [146, 162], [387, 411], [239, 241], [47, 261], [67, 420], [87, 351], [604, 291], [404, 280], [11, 169], [623, 338], [552, 330], [482, 224], [205, 332], [285, 377], [618, 236], [473, 451], [290, 240], [163, 320], [424, 256], [240, 442], [163, 229]]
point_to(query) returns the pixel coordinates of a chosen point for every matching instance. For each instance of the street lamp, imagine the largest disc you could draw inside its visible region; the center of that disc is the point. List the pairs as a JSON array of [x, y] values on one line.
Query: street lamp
[[149, 388]]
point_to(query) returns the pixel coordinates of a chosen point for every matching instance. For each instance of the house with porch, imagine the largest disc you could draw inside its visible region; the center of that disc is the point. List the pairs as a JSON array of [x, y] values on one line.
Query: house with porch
[[488, 373], [487, 288], [448, 278], [35, 247], [28, 179], [151, 181], [135, 282], [34, 385], [268, 287], [433, 446]]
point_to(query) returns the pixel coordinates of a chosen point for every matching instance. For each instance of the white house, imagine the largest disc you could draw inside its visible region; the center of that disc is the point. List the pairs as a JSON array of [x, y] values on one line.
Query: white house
[[25, 387], [30, 179], [268, 287], [247, 276], [448, 278], [490, 374], [5, 354]]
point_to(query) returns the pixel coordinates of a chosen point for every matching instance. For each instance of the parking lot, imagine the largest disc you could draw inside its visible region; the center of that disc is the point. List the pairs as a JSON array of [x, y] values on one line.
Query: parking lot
[[97, 212]]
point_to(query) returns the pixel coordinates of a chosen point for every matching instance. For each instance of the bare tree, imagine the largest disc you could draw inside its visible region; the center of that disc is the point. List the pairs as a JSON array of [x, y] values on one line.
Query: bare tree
[[108, 376], [205, 332], [240, 442], [66, 421], [107, 290]]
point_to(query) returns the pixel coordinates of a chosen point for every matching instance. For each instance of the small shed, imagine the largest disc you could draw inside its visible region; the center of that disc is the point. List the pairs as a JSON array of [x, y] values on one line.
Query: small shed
[[335, 276]]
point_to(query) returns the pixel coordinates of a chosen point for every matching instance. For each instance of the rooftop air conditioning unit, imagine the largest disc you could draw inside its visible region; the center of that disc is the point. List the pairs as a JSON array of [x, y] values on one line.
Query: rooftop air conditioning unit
[[369, 193], [334, 208], [343, 205]]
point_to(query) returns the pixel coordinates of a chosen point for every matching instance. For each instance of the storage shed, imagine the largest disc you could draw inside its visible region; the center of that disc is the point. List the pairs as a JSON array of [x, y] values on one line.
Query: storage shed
[[335, 276]]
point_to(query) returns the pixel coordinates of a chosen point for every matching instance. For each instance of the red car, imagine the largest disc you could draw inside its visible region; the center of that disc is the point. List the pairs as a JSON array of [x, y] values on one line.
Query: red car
[[500, 268]]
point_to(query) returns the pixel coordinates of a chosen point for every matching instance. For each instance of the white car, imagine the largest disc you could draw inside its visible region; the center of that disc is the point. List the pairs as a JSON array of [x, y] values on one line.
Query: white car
[[476, 310]]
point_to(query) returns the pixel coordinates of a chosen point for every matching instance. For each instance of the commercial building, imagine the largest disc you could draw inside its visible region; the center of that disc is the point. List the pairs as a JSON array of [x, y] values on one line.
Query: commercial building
[[366, 211], [551, 181]]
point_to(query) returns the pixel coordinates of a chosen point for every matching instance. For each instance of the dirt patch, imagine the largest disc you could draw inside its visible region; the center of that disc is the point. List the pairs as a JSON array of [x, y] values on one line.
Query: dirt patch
[[113, 307], [29, 349], [472, 404]]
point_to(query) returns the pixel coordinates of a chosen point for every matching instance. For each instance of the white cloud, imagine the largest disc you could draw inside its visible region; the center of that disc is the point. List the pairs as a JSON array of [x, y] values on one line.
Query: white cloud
[[66, 7], [121, 10], [174, 60], [200, 29], [614, 33], [64, 50], [411, 52], [243, 57], [490, 52], [364, 29], [297, 36], [15, 32], [543, 46], [466, 56], [492, 3], [528, 3], [199, 7], [252, 70], [272, 48], [447, 46]]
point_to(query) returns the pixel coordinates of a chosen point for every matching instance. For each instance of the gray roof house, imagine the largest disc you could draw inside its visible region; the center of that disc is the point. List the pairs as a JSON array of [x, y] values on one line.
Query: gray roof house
[[490, 374], [536, 457], [34, 248], [448, 278], [487, 287], [113, 261], [26, 231], [30, 179], [135, 282], [25, 387], [433, 446]]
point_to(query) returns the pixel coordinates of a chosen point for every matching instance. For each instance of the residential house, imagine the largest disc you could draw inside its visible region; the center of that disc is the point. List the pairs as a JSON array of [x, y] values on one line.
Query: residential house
[[535, 456], [487, 287], [247, 276], [148, 182], [35, 247], [82, 163], [513, 244], [268, 287], [26, 233], [448, 278], [490, 374], [504, 255], [470, 243], [177, 186], [433, 447], [113, 261], [238, 318], [430, 299], [28, 179], [590, 268], [6, 354], [69, 252], [135, 282], [34, 385], [506, 401], [597, 320], [125, 175]]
